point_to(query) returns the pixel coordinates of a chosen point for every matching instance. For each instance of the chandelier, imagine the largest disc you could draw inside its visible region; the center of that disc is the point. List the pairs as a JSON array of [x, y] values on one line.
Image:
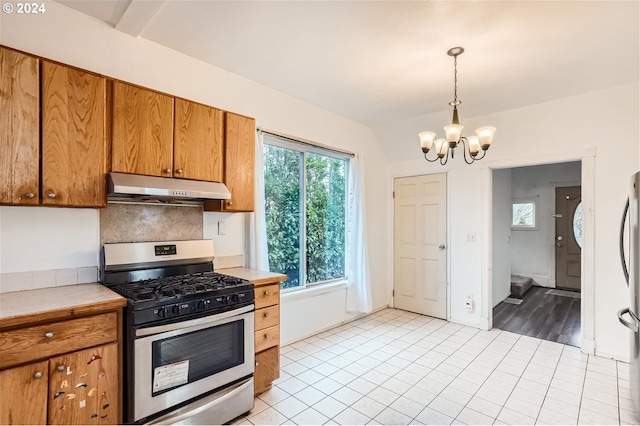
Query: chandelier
[[453, 132]]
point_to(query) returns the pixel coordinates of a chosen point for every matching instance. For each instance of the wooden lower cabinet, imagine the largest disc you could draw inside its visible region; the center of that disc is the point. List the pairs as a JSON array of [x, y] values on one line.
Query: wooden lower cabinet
[[267, 369], [77, 382], [23, 394], [83, 387], [267, 335]]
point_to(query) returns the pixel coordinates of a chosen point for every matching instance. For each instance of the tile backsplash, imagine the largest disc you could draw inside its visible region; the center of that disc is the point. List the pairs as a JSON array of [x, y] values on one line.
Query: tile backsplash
[[124, 223], [16, 281]]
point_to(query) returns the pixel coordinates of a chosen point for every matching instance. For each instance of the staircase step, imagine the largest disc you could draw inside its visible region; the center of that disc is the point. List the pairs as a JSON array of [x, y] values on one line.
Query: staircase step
[[520, 285]]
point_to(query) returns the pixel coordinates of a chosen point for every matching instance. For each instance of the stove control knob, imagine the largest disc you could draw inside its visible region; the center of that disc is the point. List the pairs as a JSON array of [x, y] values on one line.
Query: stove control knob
[[161, 312], [200, 306], [235, 298], [225, 300]]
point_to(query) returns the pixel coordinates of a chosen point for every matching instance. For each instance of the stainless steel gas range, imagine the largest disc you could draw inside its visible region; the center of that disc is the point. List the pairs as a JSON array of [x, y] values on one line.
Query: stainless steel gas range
[[188, 346]]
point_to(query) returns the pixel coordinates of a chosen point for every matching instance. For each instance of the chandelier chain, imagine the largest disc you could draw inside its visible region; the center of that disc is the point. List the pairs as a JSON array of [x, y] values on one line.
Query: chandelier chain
[[455, 78]]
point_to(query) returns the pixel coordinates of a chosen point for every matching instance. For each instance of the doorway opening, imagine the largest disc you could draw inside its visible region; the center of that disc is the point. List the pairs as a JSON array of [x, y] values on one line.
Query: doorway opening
[[537, 251]]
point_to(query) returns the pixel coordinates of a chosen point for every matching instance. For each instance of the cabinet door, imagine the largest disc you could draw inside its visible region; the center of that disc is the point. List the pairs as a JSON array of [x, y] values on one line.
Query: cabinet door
[[19, 128], [142, 131], [23, 394], [239, 162], [197, 142], [267, 369], [83, 387], [74, 138]]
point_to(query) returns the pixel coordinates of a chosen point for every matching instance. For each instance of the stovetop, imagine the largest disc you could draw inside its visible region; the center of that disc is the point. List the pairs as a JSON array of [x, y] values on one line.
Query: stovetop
[[162, 289], [192, 295]]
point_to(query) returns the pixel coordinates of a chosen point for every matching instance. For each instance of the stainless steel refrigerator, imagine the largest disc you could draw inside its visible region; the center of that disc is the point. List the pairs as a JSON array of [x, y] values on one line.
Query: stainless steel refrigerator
[[631, 269]]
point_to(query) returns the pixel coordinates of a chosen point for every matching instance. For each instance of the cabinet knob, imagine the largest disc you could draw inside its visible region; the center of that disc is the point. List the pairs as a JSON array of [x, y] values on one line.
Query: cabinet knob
[[257, 363], [229, 202], [267, 293], [48, 335], [266, 336], [51, 194], [266, 314], [60, 368], [167, 170], [179, 171], [37, 375], [29, 195]]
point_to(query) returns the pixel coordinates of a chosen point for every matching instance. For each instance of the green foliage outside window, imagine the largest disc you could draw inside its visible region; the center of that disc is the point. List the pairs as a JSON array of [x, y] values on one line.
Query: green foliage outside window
[[325, 215]]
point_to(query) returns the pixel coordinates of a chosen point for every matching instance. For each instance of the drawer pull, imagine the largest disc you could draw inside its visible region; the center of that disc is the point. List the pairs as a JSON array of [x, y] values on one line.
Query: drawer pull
[[266, 336], [267, 293], [37, 375], [60, 368], [48, 335], [266, 314]]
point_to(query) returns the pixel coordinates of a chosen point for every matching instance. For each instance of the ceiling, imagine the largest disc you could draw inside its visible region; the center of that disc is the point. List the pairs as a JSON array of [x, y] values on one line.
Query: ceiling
[[381, 62]]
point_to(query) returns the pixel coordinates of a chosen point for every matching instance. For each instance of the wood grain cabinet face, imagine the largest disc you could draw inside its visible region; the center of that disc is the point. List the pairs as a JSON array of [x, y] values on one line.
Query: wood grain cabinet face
[[23, 394], [88, 379], [267, 335], [64, 372], [19, 128], [239, 166], [197, 141], [142, 140], [74, 137], [267, 369]]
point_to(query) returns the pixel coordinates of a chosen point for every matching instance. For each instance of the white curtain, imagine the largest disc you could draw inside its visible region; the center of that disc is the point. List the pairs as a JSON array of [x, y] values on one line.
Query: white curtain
[[258, 257], [358, 286]]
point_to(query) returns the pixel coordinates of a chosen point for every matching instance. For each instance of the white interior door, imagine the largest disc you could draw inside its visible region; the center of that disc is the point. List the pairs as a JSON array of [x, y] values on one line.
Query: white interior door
[[420, 255]]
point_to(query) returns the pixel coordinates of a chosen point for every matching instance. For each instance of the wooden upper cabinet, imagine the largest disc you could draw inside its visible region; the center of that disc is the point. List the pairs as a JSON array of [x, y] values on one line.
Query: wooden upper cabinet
[[19, 128], [142, 139], [239, 167], [197, 141], [74, 137]]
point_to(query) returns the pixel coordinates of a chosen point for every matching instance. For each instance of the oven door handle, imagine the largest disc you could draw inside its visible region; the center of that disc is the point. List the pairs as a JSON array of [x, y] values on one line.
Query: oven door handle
[[182, 325]]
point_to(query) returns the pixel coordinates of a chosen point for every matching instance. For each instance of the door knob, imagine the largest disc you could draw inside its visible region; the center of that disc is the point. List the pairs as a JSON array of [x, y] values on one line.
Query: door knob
[[441, 246], [559, 244], [559, 238]]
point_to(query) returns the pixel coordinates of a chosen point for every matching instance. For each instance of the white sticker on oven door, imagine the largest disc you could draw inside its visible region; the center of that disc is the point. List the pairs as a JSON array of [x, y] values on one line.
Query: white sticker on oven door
[[168, 376]]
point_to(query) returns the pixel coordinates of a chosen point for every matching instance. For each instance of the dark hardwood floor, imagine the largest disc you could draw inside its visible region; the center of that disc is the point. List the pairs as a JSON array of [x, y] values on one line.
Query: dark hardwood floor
[[546, 316]]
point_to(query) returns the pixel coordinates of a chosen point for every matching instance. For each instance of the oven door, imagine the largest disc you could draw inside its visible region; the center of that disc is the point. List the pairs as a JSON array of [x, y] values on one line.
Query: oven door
[[174, 363]]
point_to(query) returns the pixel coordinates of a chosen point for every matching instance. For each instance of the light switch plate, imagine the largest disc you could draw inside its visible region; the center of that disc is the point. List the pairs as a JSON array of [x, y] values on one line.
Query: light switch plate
[[222, 229]]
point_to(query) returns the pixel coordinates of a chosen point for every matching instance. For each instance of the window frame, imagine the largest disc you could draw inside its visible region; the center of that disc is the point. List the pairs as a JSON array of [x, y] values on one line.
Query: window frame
[[532, 201], [306, 148]]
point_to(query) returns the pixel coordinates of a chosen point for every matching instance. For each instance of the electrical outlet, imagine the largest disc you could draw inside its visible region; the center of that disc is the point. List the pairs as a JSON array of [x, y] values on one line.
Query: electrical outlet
[[471, 237], [468, 303], [222, 229]]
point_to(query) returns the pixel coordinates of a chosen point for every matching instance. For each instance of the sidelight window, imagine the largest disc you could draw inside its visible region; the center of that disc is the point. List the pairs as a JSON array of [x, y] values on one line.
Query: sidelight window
[[306, 211]]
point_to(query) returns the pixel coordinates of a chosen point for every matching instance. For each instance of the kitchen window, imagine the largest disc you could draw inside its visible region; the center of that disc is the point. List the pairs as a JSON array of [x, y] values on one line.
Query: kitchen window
[[305, 211]]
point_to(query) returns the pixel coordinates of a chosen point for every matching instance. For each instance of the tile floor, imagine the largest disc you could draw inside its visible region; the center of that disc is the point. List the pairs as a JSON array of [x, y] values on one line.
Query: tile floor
[[396, 367]]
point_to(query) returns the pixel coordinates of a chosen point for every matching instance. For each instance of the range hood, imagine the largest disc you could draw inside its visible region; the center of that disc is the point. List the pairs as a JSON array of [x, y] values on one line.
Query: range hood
[[139, 188]]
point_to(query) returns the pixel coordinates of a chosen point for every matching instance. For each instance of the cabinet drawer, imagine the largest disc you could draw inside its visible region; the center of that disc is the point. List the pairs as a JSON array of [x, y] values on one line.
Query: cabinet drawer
[[42, 341], [267, 295], [267, 369], [267, 317], [267, 338]]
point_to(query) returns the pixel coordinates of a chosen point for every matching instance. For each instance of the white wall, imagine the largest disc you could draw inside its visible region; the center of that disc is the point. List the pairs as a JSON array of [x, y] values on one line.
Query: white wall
[[565, 126], [69, 37], [533, 251], [501, 236]]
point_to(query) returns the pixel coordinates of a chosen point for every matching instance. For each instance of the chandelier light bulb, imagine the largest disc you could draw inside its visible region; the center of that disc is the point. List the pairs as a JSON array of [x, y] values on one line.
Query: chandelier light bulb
[[441, 147], [485, 134], [474, 145], [453, 132], [426, 140]]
